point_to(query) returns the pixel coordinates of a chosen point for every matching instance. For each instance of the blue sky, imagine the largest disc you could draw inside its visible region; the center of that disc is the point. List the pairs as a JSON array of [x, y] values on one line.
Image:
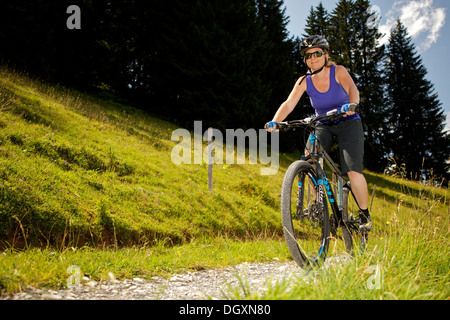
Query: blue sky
[[426, 21]]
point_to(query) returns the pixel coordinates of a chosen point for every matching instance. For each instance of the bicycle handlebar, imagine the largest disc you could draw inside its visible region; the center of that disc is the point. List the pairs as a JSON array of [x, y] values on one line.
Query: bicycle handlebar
[[332, 115]]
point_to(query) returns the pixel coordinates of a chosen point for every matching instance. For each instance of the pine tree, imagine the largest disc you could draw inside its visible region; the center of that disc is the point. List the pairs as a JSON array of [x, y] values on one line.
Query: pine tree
[[317, 22], [215, 58], [34, 37], [368, 58], [279, 72], [343, 34], [416, 117]]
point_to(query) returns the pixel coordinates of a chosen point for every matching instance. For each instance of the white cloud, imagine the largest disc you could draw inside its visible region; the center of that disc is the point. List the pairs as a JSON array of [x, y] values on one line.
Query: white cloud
[[422, 20]]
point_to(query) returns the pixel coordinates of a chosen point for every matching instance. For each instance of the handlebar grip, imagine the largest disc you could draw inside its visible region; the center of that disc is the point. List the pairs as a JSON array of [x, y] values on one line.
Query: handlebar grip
[[271, 124], [350, 107]]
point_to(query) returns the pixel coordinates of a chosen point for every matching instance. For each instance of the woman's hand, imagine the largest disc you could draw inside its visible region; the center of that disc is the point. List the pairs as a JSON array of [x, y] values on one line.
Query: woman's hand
[[271, 126], [349, 109]]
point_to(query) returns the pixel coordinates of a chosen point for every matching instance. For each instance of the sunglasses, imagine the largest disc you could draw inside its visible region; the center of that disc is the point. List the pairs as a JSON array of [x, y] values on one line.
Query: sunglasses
[[316, 54]]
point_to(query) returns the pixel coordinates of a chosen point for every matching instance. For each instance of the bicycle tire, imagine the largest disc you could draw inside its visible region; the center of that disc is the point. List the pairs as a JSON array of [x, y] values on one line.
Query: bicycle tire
[[345, 227], [306, 224], [355, 238]]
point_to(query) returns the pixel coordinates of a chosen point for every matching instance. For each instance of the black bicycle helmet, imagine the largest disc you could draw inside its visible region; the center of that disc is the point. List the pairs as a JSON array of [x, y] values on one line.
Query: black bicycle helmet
[[314, 42]]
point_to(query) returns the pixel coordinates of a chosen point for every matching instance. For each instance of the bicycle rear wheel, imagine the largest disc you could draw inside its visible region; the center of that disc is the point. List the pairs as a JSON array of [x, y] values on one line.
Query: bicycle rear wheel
[[349, 206], [304, 215], [353, 239]]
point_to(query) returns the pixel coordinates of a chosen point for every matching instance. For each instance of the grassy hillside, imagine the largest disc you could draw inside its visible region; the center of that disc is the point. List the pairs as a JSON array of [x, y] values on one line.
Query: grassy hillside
[[80, 173], [78, 170]]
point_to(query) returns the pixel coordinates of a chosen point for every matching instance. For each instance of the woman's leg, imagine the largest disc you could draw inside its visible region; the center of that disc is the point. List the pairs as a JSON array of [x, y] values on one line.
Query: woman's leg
[[359, 188]]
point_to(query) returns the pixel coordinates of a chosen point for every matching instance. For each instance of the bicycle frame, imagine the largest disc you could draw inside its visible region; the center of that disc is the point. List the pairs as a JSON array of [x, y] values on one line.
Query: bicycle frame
[[316, 158]]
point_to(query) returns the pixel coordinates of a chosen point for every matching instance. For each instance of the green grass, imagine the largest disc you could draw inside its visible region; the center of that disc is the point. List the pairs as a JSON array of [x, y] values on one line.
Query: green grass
[[78, 170], [412, 266], [88, 181], [49, 268]]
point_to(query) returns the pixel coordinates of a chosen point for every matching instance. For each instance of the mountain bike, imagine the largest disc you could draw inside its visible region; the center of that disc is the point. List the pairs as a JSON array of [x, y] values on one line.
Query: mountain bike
[[308, 227]]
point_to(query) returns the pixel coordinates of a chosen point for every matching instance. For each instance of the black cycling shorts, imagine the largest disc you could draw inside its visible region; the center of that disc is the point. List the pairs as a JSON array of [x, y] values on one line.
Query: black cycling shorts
[[350, 139]]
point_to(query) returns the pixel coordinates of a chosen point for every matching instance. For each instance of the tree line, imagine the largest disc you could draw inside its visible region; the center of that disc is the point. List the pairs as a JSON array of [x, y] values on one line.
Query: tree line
[[230, 64]]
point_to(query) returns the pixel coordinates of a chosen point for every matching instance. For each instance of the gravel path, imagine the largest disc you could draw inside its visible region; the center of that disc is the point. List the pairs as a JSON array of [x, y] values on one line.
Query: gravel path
[[207, 284]]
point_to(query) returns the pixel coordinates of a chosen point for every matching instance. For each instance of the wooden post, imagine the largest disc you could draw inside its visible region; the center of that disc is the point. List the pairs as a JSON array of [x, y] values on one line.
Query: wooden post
[[397, 204], [210, 160], [429, 211]]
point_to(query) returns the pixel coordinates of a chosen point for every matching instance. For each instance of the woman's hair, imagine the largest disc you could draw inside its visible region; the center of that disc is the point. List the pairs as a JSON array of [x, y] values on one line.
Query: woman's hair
[[330, 62]]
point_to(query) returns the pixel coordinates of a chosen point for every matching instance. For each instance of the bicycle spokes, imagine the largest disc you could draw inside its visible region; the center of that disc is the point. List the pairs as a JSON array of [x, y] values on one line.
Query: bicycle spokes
[[308, 216]]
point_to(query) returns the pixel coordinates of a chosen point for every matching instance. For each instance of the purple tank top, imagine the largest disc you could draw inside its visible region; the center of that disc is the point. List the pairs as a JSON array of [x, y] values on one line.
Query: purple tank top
[[334, 98]]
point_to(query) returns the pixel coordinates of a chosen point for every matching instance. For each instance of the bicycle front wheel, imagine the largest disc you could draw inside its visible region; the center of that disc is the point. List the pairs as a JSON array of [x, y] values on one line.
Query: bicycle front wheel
[[304, 215]]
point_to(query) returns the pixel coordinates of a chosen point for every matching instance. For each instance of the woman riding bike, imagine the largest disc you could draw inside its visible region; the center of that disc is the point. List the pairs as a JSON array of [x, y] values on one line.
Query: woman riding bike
[[329, 87]]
